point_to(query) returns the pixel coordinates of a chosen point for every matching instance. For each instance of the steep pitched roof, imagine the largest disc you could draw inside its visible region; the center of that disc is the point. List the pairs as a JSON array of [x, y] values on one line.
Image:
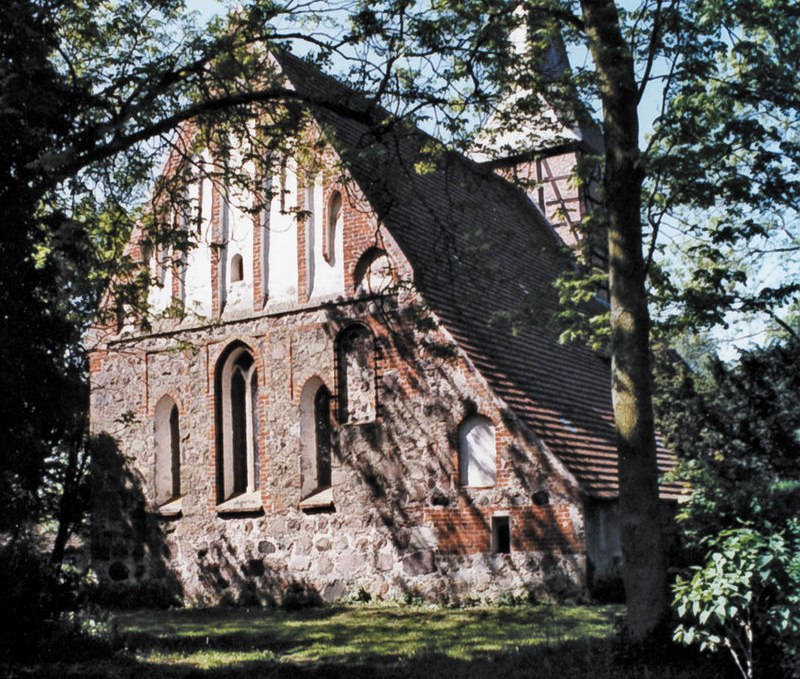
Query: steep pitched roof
[[480, 250]]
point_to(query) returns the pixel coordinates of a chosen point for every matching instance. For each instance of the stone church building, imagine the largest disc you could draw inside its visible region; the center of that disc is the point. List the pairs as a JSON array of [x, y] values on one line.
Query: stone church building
[[363, 393]]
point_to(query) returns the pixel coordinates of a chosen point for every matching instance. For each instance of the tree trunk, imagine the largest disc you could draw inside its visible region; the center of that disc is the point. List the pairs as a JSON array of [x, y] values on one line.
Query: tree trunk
[[642, 541], [70, 510]]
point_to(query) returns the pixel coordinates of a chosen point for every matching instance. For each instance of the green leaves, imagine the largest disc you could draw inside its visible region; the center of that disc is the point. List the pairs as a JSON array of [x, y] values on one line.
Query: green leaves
[[723, 163], [745, 593], [734, 427]]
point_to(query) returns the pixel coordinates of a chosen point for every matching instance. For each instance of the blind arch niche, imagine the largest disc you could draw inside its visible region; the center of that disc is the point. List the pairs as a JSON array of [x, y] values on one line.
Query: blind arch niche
[[477, 452]]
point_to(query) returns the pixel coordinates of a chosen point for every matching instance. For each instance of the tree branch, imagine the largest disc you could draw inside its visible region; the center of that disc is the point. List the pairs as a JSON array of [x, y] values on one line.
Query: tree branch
[[655, 37], [74, 159]]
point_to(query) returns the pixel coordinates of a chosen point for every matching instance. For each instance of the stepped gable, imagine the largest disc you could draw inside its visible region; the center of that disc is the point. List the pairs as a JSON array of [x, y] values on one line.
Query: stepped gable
[[481, 253]]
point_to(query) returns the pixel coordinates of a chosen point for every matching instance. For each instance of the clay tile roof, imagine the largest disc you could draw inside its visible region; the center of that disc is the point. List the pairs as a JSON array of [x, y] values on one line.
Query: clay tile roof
[[480, 251]]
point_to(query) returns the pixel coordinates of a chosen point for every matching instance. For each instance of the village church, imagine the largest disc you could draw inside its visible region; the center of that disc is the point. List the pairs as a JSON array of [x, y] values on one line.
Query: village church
[[362, 393]]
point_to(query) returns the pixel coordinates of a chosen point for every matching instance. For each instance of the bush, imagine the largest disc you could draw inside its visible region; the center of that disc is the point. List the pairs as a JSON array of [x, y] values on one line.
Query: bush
[[37, 595], [746, 598]]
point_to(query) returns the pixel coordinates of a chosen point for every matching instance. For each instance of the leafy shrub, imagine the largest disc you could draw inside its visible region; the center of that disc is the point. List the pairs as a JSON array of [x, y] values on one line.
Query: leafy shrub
[[736, 430], [745, 598]]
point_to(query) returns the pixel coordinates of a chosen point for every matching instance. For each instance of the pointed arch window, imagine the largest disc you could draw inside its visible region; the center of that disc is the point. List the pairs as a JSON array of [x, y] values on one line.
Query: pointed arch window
[[167, 451], [197, 194], [356, 374], [316, 433], [157, 261], [477, 452], [237, 425]]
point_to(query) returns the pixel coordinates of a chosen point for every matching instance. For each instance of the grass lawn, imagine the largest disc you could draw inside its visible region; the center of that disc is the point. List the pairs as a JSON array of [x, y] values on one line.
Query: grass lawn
[[367, 641]]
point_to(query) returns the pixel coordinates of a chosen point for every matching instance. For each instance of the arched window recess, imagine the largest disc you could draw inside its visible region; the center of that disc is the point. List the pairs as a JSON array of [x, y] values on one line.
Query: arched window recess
[[317, 445], [373, 273], [236, 396], [237, 268], [333, 226], [477, 452], [166, 430]]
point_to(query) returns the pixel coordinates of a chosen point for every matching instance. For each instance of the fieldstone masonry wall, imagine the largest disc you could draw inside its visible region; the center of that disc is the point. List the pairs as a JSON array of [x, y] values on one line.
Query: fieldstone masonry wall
[[399, 525], [394, 523]]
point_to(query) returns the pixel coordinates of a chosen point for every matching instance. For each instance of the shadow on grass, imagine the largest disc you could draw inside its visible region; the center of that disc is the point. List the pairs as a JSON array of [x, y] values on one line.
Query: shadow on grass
[[578, 659], [347, 634], [540, 642]]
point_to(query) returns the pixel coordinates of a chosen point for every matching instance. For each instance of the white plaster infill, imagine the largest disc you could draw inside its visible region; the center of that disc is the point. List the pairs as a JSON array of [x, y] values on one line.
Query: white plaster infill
[[171, 509], [246, 503], [319, 499]]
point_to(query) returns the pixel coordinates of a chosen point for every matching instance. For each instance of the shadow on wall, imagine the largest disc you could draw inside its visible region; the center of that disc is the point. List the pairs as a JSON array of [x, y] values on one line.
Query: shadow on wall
[[129, 544], [246, 579], [132, 551], [407, 527], [406, 496]]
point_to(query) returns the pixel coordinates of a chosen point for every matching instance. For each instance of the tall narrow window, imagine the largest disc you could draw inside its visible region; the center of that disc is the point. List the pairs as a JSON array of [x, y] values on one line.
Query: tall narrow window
[[267, 196], [332, 227], [356, 374], [160, 263], [167, 451], [316, 437], [310, 223], [322, 426], [199, 194], [221, 239], [477, 454], [237, 395]]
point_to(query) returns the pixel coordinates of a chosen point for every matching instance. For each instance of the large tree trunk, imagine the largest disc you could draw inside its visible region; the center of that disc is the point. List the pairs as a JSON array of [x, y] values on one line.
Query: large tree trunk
[[642, 540]]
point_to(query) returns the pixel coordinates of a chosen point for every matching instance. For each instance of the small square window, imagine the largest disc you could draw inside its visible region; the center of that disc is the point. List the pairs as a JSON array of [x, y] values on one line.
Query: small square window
[[501, 535]]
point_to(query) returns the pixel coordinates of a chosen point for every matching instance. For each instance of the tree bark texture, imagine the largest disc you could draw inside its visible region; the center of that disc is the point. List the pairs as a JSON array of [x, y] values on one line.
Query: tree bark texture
[[642, 541]]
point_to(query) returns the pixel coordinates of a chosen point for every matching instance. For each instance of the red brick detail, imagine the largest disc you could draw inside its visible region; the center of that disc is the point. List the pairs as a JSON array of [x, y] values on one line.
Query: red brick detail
[[359, 233], [303, 290], [216, 249], [96, 359], [259, 294], [258, 283], [467, 529], [211, 467]]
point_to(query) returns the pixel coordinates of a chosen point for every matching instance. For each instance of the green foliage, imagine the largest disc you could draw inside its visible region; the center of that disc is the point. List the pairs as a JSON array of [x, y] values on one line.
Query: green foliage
[[36, 594], [745, 598], [735, 429], [724, 157], [577, 318]]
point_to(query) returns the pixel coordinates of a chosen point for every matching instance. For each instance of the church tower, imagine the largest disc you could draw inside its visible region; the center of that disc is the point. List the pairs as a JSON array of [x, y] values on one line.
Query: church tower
[[540, 135]]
